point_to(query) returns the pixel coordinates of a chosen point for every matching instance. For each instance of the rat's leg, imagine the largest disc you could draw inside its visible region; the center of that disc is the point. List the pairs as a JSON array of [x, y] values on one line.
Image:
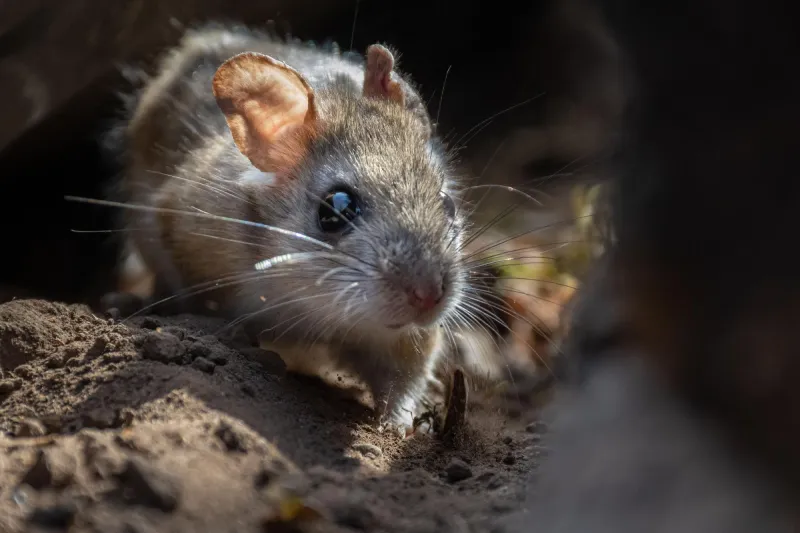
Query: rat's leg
[[135, 284], [135, 278], [398, 377]]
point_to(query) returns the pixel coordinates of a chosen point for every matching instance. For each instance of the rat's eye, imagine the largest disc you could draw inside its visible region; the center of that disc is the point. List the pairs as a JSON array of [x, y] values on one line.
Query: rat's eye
[[338, 207], [449, 205]]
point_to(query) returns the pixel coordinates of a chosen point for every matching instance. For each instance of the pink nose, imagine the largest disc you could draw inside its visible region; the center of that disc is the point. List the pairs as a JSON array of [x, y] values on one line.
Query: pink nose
[[425, 299]]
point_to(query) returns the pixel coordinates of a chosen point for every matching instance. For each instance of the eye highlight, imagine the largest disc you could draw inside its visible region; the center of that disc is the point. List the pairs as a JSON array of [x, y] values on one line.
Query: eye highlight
[[338, 208], [449, 204]]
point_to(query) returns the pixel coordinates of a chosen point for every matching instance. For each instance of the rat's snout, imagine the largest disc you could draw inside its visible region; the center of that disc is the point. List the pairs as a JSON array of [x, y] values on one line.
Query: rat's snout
[[425, 297]]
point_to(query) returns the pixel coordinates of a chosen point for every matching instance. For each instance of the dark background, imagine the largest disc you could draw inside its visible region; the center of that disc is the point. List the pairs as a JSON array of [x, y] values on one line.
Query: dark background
[[58, 63]]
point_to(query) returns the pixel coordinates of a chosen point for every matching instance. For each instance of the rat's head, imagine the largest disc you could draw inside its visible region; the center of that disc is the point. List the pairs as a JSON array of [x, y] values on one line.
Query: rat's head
[[358, 169]]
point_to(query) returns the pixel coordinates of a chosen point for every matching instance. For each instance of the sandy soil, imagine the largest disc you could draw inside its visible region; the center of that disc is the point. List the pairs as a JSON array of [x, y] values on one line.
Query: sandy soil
[[159, 425]]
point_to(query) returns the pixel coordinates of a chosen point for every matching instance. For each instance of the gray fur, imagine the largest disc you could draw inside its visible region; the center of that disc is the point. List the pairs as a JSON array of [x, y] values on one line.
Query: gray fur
[[180, 154]]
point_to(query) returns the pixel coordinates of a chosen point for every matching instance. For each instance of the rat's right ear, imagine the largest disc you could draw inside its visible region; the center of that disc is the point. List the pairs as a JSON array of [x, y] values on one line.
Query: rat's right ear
[[269, 108]]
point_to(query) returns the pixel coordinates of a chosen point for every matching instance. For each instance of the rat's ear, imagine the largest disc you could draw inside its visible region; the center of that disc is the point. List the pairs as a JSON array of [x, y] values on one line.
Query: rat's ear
[[378, 80], [265, 101]]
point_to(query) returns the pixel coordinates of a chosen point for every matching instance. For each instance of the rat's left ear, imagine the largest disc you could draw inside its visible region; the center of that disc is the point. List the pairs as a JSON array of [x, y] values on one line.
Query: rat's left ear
[[378, 79]]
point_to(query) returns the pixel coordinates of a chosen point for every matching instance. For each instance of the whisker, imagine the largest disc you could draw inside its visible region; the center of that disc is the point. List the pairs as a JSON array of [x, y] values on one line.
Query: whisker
[[517, 291], [487, 120], [353, 30], [506, 188], [541, 359], [139, 207], [441, 96], [528, 232], [248, 316], [497, 218], [213, 187]]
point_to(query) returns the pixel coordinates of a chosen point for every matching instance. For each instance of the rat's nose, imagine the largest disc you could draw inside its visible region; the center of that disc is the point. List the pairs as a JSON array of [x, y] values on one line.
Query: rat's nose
[[425, 298]]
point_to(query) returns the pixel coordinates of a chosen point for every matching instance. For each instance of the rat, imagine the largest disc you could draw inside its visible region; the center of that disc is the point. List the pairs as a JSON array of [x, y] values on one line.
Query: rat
[[310, 190], [682, 407]]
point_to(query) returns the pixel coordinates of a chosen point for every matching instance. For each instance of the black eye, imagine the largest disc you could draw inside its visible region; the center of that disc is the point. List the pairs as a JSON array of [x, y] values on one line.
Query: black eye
[[338, 208], [449, 205]]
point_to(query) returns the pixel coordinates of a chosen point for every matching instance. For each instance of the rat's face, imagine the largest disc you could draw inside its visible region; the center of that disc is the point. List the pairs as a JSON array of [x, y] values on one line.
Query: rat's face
[[379, 191]]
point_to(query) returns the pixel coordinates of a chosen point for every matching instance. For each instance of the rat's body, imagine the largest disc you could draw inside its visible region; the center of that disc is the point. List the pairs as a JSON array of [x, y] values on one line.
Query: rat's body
[[225, 127]]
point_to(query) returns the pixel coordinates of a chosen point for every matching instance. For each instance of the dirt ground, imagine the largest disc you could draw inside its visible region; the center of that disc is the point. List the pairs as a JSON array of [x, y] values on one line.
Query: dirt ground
[[160, 425]]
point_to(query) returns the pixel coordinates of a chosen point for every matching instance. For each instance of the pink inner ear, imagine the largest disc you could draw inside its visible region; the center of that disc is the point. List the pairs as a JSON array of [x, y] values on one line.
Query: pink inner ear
[[378, 81]]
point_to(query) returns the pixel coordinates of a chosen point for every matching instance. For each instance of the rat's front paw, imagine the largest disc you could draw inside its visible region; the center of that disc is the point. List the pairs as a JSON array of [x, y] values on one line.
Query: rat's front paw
[[121, 304], [401, 429], [393, 422]]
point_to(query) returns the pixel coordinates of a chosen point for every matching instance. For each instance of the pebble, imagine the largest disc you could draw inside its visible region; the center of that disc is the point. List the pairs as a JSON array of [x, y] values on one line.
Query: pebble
[[457, 470], [151, 323], [24, 371], [354, 516], [536, 427], [199, 349], [98, 348], [204, 365], [163, 347], [368, 450], [55, 361], [100, 419], [7, 386], [509, 459], [145, 486], [219, 359]]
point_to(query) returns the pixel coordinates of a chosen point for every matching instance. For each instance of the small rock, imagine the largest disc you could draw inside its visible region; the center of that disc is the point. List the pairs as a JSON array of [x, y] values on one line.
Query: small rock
[[52, 422], [507, 440], [536, 427], [151, 323], [38, 475], [231, 440], [98, 348], [486, 477], [7, 386], [368, 450], [126, 417], [457, 470], [204, 365], [24, 371], [55, 361], [30, 427], [347, 463], [354, 516], [163, 347], [100, 419], [55, 517], [509, 459], [178, 332], [219, 359], [73, 362], [199, 349], [145, 486], [501, 506], [495, 483]]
